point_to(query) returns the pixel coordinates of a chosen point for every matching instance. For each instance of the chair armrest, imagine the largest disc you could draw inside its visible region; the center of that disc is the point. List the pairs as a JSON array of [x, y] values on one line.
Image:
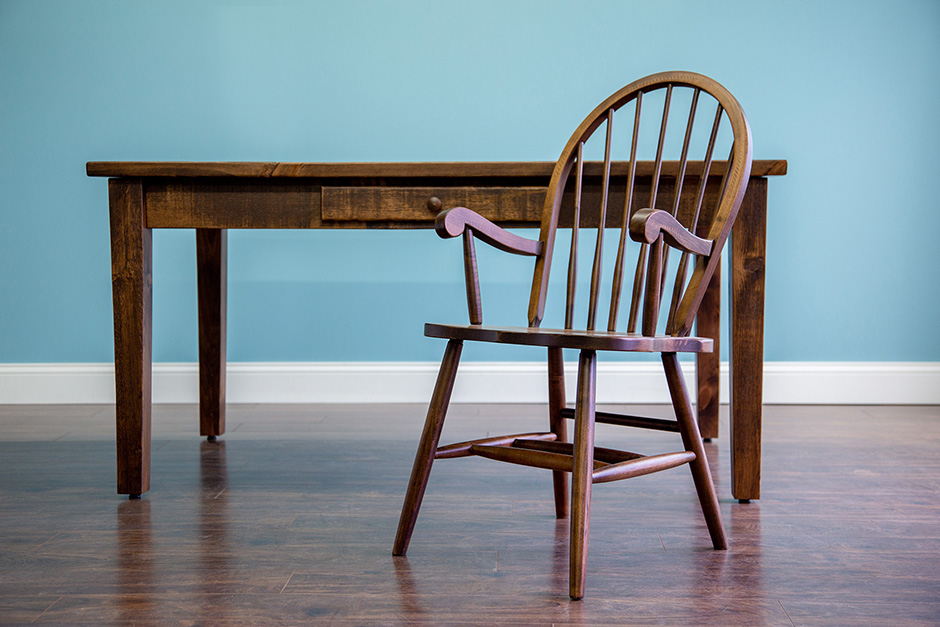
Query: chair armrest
[[452, 222], [470, 224], [646, 225]]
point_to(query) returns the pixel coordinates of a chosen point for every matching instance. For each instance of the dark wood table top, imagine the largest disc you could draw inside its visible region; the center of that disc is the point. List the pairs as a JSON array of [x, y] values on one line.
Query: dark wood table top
[[246, 169]]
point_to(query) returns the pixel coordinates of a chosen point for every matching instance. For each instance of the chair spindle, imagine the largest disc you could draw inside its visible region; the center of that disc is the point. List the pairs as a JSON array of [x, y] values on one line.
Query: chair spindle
[[658, 165], [677, 195], [617, 287], [706, 169], [474, 305], [651, 303], [693, 223], [573, 256], [641, 256], [680, 177], [655, 269], [602, 221]]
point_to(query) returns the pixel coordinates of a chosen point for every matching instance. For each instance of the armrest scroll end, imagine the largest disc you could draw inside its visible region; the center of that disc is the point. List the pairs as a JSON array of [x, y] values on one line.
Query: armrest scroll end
[[646, 225], [453, 222]]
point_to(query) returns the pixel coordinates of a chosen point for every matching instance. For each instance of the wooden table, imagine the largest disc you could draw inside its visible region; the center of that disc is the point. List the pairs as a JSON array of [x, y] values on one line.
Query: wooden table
[[213, 197]]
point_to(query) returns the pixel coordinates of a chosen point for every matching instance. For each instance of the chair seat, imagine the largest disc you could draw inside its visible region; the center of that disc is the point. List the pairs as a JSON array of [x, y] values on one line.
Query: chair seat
[[568, 338]]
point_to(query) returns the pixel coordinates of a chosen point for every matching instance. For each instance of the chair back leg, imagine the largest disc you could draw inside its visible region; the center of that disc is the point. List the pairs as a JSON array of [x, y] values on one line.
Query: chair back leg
[[427, 447], [692, 440], [582, 474], [558, 424]]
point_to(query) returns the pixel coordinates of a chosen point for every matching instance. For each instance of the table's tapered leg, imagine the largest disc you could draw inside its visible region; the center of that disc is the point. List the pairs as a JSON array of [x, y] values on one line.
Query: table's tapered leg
[[748, 247], [132, 289], [708, 365], [211, 262]]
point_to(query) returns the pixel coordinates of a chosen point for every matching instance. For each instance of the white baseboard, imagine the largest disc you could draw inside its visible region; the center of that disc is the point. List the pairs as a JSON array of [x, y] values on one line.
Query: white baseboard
[[866, 383]]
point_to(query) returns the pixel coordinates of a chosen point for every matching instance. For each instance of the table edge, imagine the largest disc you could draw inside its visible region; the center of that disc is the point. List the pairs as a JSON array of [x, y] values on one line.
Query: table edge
[[258, 169]]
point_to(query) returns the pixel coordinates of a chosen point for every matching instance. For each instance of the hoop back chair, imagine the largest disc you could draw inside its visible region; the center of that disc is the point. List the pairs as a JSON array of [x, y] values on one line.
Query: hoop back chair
[[656, 224]]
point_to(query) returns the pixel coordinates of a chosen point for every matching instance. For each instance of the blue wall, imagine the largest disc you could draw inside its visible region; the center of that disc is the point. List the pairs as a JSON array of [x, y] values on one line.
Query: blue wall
[[848, 92]]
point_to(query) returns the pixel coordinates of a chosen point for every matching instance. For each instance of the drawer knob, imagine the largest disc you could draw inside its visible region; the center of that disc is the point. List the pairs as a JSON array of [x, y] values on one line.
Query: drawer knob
[[435, 204]]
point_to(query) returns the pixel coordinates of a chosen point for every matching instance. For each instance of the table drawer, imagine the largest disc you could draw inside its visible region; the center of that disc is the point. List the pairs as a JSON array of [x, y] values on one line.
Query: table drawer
[[376, 204]]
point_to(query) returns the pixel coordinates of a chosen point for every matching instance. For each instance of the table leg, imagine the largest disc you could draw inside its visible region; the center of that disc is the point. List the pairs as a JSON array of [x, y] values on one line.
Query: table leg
[[748, 246], [132, 290], [211, 264], [708, 365]]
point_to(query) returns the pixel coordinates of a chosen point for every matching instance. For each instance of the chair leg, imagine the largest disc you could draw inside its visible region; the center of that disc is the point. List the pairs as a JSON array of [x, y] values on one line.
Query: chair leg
[[427, 447], [692, 440], [558, 424], [582, 473]]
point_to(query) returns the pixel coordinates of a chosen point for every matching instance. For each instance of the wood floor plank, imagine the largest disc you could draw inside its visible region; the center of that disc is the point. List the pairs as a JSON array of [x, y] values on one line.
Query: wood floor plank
[[289, 519]]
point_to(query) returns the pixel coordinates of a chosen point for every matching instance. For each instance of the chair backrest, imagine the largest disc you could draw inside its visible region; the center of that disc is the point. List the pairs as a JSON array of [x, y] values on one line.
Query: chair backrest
[[602, 195]]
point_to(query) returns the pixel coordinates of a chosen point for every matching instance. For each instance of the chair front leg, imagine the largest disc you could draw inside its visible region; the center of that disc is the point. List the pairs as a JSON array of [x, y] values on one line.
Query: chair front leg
[[427, 447], [582, 473], [558, 424], [692, 440]]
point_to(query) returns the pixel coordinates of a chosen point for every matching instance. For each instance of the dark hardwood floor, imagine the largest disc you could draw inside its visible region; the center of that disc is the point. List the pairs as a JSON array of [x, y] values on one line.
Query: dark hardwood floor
[[290, 517]]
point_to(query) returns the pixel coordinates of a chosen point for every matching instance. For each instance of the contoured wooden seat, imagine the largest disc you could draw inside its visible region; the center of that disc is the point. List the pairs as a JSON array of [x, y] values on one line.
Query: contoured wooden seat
[[669, 218]]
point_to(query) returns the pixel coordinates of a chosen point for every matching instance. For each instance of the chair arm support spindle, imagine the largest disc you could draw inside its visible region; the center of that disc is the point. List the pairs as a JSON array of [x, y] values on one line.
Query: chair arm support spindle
[[646, 225], [472, 277]]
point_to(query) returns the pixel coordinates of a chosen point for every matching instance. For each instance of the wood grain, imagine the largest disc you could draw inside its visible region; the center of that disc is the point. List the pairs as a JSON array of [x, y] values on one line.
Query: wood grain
[[371, 204], [462, 449], [289, 524], [708, 365], [132, 289], [626, 420], [582, 474], [646, 225], [558, 423], [656, 231], [566, 338], [692, 440], [642, 466], [427, 445], [495, 169], [218, 195], [212, 284], [472, 279], [748, 271], [232, 204], [457, 220], [524, 457]]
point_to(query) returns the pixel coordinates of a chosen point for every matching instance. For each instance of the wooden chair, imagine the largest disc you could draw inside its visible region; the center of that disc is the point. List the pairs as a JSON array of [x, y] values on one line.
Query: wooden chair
[[657, 223]]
